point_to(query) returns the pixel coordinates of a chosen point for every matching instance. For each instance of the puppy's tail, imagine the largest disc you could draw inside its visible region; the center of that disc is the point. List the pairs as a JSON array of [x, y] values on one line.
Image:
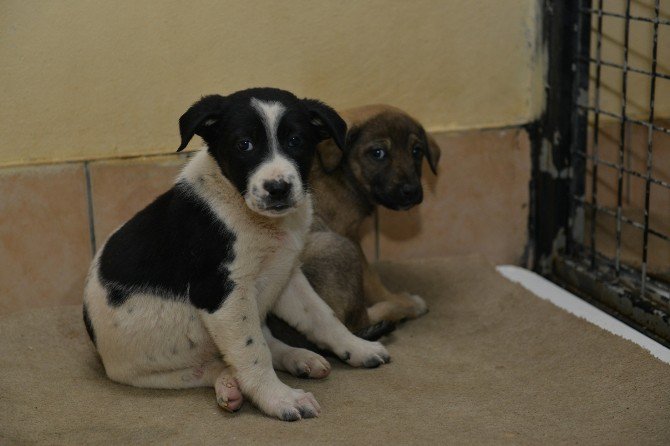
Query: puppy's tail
[[376, 331]]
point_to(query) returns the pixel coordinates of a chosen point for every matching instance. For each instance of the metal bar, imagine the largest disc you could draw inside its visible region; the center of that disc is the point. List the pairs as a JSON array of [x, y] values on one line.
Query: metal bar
[[622, 140], [656, 20], [647, 185], [628, 171], [629, 155], [578, 131], [596, 132], [623, 219], [658, 128], [648, 316], [631, 69], [551, 138]]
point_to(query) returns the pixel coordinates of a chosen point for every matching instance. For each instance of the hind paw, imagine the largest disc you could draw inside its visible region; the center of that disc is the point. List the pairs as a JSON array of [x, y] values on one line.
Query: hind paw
[[228, 394]]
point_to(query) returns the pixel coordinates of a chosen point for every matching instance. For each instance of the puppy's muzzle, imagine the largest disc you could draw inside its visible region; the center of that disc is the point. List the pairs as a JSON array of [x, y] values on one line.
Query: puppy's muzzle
[[279, 195], [411, 193], [401, 197]]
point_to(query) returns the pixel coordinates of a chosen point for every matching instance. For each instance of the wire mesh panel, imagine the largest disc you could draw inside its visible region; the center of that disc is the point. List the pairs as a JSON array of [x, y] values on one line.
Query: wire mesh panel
[[615, 248]]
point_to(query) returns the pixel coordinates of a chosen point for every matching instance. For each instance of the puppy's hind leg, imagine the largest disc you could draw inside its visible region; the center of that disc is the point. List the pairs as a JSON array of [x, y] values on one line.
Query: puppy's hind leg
[[210, 374], [228, 394], [383, 305], [333, 266], [296, 361]]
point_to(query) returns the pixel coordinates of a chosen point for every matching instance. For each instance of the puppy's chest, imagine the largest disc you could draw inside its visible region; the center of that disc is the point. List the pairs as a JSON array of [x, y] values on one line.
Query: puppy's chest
[[276, 266], [268, 252]]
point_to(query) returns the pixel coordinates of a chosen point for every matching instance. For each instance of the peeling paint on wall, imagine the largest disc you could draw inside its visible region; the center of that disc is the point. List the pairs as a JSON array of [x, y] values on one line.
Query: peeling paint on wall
[[547, 164]]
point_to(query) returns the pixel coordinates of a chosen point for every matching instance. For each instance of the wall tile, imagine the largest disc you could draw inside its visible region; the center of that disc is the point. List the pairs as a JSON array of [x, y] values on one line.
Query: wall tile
[[44, 237], [477, 203], [121, 188]]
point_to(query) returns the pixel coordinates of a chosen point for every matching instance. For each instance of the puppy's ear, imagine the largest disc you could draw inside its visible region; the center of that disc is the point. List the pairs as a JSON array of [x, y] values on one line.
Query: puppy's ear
[[433, 152], [200, 118], [326, 121], [329, 154]]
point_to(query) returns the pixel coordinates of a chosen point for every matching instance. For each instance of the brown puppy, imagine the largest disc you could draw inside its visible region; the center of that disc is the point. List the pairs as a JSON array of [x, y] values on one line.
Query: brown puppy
[[380, 165]]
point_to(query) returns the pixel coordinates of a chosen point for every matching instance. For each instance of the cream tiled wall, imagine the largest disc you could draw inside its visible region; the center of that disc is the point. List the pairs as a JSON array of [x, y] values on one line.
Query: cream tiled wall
[[52, 215]]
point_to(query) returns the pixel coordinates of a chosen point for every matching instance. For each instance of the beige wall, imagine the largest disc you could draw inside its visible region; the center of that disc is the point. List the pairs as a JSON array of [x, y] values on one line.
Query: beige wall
[[95, 79]]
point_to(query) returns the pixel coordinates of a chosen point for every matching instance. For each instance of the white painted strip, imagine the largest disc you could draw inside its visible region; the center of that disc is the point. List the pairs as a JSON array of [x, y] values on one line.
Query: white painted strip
[[547, 290]]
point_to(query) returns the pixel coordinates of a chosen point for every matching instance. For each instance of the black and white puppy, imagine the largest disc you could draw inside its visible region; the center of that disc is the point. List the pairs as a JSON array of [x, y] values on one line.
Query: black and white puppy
[[177, 297]]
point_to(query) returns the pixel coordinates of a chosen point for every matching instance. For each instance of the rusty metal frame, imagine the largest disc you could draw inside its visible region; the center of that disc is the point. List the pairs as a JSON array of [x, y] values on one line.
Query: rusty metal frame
[[559, 247]]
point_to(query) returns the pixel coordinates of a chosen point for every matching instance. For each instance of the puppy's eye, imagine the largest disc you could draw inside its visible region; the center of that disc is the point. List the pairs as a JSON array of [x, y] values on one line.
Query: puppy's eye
[[378, 153], [417, 152], [294, 142], [245, 145]]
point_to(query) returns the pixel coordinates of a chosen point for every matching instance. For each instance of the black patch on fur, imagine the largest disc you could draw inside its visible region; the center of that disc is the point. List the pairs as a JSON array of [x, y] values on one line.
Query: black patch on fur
[[346, 356], [249, 341], [290, 416], [306, 412], [255, 361], [89, 325], [244, 318], [289, 335], [117, 295], [175, 247], [372, 363]]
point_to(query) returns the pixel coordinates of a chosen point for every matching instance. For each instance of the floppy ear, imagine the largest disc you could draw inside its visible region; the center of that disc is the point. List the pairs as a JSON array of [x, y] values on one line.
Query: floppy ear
[[199, 119], [329, 154], [433, 152], [326, 121]]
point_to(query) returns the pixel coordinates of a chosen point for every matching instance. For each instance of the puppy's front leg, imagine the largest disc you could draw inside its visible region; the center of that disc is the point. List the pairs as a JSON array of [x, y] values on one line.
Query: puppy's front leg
[[301, 307], [236, 329]]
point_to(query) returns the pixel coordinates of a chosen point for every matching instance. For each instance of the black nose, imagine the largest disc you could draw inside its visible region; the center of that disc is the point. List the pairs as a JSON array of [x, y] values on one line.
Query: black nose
[[277, 189], [410, 190]]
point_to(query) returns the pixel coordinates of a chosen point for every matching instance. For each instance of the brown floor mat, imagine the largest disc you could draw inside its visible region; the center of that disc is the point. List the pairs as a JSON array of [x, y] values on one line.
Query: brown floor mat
[[490, 364]]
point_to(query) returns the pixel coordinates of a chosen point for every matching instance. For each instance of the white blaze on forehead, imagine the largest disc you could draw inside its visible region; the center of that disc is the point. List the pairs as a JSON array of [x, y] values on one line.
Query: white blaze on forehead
[[270, 114], [276, 166]]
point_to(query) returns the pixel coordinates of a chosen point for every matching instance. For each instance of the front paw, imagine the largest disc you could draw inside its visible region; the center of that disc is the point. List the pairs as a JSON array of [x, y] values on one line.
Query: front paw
[[305, 364], [289, 404], [365, 354]]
